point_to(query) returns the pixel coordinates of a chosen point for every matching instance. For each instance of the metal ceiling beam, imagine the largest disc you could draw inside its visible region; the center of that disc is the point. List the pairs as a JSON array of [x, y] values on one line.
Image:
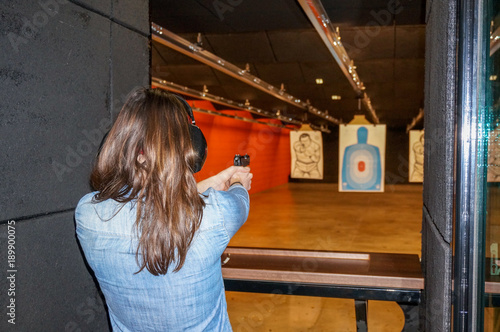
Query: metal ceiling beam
[[195, 51], [201, 110], [330, 36], [170, 86]]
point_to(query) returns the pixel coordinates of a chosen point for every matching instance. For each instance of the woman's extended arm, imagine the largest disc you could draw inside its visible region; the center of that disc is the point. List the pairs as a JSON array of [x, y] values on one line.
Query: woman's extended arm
[[224, 179]]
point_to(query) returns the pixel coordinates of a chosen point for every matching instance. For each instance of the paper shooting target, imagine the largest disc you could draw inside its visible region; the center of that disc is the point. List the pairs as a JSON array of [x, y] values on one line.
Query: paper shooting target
[[306, 149], [416, 157], [362, 158]]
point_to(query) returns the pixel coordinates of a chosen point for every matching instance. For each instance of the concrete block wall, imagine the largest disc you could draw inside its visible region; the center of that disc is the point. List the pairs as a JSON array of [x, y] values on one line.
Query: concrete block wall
[[65, 70]]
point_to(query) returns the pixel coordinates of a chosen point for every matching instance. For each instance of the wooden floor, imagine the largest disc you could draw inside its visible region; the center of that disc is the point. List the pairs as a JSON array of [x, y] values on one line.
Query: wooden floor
[[318, 217]]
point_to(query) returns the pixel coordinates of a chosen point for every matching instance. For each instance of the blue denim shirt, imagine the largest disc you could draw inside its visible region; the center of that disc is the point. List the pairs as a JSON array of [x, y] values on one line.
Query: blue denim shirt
[[191, 299]]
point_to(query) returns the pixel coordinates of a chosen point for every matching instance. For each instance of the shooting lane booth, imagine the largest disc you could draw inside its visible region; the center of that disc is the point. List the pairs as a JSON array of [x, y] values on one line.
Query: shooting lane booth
[[371, 128]]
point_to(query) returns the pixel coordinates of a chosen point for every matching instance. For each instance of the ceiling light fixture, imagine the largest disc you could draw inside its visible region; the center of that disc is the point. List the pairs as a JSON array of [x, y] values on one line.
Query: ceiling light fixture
[[336, 97], [319, 81]]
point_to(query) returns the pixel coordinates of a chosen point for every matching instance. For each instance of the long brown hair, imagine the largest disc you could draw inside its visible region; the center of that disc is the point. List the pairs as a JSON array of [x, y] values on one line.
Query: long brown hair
[[153, 123]]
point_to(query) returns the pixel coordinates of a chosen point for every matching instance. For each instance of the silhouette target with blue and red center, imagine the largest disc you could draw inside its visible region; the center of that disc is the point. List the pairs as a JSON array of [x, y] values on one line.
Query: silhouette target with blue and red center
[[361, 167]]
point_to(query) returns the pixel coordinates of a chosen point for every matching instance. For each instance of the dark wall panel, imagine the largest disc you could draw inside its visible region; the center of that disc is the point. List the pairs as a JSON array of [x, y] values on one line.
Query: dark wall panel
[[440, 115], [65, 69], [439, 163], [54, 291], [100, 6], [131, 70], [331, 155], [54, 94], [436, 309], [130, 13], [396, 157]]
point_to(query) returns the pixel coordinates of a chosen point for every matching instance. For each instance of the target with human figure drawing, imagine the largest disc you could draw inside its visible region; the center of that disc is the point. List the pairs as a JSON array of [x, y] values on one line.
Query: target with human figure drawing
[[416, 157], [306, 148], [362, 158]]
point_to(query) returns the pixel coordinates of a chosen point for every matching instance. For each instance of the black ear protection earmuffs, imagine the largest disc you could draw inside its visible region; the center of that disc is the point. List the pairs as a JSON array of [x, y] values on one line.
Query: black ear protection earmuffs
[[197, 138]]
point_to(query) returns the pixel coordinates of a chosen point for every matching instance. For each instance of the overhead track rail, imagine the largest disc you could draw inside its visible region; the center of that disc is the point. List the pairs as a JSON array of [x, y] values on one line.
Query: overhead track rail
[[415, 120], [330, 36], [170, 86], [201, 110], [195, 51]]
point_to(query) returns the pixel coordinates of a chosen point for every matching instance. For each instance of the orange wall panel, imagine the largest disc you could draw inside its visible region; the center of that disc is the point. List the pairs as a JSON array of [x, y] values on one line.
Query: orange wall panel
[[268, 147]]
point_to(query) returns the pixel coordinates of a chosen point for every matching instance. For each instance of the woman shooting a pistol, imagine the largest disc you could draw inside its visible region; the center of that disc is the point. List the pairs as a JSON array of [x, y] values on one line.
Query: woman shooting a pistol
[[151, 234]]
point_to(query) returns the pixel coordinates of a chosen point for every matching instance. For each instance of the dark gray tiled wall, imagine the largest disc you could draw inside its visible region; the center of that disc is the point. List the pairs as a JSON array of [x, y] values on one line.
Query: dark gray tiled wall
[[128, 71], [65, 68], [440, 115], [55, 89], [54, 290], [101, 6], [128, 13], [439, 164], [438, 273]]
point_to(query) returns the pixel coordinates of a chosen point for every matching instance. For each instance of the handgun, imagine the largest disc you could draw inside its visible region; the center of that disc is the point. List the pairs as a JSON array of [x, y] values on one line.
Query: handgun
[[241, 160]]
